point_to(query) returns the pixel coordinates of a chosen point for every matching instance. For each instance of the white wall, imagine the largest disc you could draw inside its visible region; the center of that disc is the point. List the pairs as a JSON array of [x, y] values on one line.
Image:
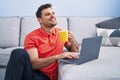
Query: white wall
[[61, 7]]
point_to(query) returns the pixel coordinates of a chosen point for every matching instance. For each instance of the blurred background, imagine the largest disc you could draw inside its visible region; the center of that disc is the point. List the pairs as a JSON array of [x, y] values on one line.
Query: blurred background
[[61, 7]]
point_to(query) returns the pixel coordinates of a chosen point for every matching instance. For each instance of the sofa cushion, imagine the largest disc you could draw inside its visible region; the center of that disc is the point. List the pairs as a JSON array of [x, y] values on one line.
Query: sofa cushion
[[5, 55], [2, 73], [106, 67], [111, 37], [9, 31], [110, 23], [84, 27], [28, 24]]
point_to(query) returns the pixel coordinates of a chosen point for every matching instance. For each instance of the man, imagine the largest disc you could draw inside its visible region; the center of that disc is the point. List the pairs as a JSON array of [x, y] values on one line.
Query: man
[[44, 48]]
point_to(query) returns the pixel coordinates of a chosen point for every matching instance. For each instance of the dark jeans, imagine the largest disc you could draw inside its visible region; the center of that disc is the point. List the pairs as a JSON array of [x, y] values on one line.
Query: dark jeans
[[20, 68]]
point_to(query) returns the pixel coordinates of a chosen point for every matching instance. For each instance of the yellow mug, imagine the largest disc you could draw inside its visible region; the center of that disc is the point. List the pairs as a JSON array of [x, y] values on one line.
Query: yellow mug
[[63, 35]]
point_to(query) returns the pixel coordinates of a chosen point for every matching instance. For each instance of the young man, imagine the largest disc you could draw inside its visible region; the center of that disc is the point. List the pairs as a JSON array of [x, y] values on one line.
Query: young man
[[44, 48]]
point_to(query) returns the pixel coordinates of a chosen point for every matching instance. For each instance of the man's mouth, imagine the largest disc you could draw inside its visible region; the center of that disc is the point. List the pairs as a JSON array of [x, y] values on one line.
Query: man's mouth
[[52, 20]]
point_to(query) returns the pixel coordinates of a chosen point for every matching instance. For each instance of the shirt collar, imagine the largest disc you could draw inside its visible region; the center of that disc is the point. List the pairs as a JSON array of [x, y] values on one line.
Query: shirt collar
[[46, 33]]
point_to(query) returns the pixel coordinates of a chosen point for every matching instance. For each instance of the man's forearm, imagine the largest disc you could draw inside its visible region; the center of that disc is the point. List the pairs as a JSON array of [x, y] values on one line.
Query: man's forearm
[[43, 62], [74, 46]]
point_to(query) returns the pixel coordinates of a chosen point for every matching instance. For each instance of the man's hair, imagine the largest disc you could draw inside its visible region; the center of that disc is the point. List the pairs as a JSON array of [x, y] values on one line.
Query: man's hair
[[42, 7]]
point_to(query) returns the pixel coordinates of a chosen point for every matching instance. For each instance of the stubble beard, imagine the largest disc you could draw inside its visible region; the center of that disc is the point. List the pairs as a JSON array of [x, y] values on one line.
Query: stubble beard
[[53, 24]]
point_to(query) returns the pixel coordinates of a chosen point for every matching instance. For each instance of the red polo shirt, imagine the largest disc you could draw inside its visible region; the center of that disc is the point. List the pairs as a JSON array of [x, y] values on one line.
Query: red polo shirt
[[47, 45]]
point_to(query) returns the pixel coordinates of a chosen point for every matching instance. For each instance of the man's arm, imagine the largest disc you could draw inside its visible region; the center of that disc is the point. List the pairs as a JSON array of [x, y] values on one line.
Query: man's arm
[[72, 45], [38, 63]]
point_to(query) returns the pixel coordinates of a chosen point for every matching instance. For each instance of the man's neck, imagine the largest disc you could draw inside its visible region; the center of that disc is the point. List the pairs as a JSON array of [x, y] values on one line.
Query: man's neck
[[49, 30]]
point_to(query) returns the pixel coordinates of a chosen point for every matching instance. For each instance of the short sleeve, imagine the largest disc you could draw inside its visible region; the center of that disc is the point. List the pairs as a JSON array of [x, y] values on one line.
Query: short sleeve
[[29, 42]]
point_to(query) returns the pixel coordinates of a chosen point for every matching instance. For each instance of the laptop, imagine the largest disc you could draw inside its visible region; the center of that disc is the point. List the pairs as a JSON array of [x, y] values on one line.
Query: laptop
[[89, 51]]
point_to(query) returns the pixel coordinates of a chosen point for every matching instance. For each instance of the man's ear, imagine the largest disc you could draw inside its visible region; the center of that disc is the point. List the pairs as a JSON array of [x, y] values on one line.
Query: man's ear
[[39, 20]]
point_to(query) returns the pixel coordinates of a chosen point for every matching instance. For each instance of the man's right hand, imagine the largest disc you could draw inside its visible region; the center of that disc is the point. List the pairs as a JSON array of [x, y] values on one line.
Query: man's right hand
[[71, 55]]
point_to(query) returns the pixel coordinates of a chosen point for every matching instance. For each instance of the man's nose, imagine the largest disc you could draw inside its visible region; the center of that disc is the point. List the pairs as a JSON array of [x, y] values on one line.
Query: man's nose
[[53, 15]]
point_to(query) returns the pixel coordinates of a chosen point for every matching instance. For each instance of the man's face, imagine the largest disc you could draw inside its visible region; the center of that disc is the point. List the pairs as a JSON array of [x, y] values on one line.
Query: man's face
[[48, 18]]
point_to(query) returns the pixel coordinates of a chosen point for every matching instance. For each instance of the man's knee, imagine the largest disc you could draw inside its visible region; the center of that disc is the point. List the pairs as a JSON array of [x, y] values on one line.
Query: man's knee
[[19, 54], [19, 50]]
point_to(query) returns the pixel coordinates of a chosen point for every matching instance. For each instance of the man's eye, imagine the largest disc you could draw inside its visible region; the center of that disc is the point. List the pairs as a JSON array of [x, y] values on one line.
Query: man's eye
[[47, 14], [53, 13]]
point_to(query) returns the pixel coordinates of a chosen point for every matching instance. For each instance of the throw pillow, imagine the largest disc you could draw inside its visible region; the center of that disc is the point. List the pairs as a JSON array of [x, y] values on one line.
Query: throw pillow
[[113, 23], [111, 37]]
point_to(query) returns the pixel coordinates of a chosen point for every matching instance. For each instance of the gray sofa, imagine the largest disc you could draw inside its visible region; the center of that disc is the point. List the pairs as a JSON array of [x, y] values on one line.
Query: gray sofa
[[14, 29]]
